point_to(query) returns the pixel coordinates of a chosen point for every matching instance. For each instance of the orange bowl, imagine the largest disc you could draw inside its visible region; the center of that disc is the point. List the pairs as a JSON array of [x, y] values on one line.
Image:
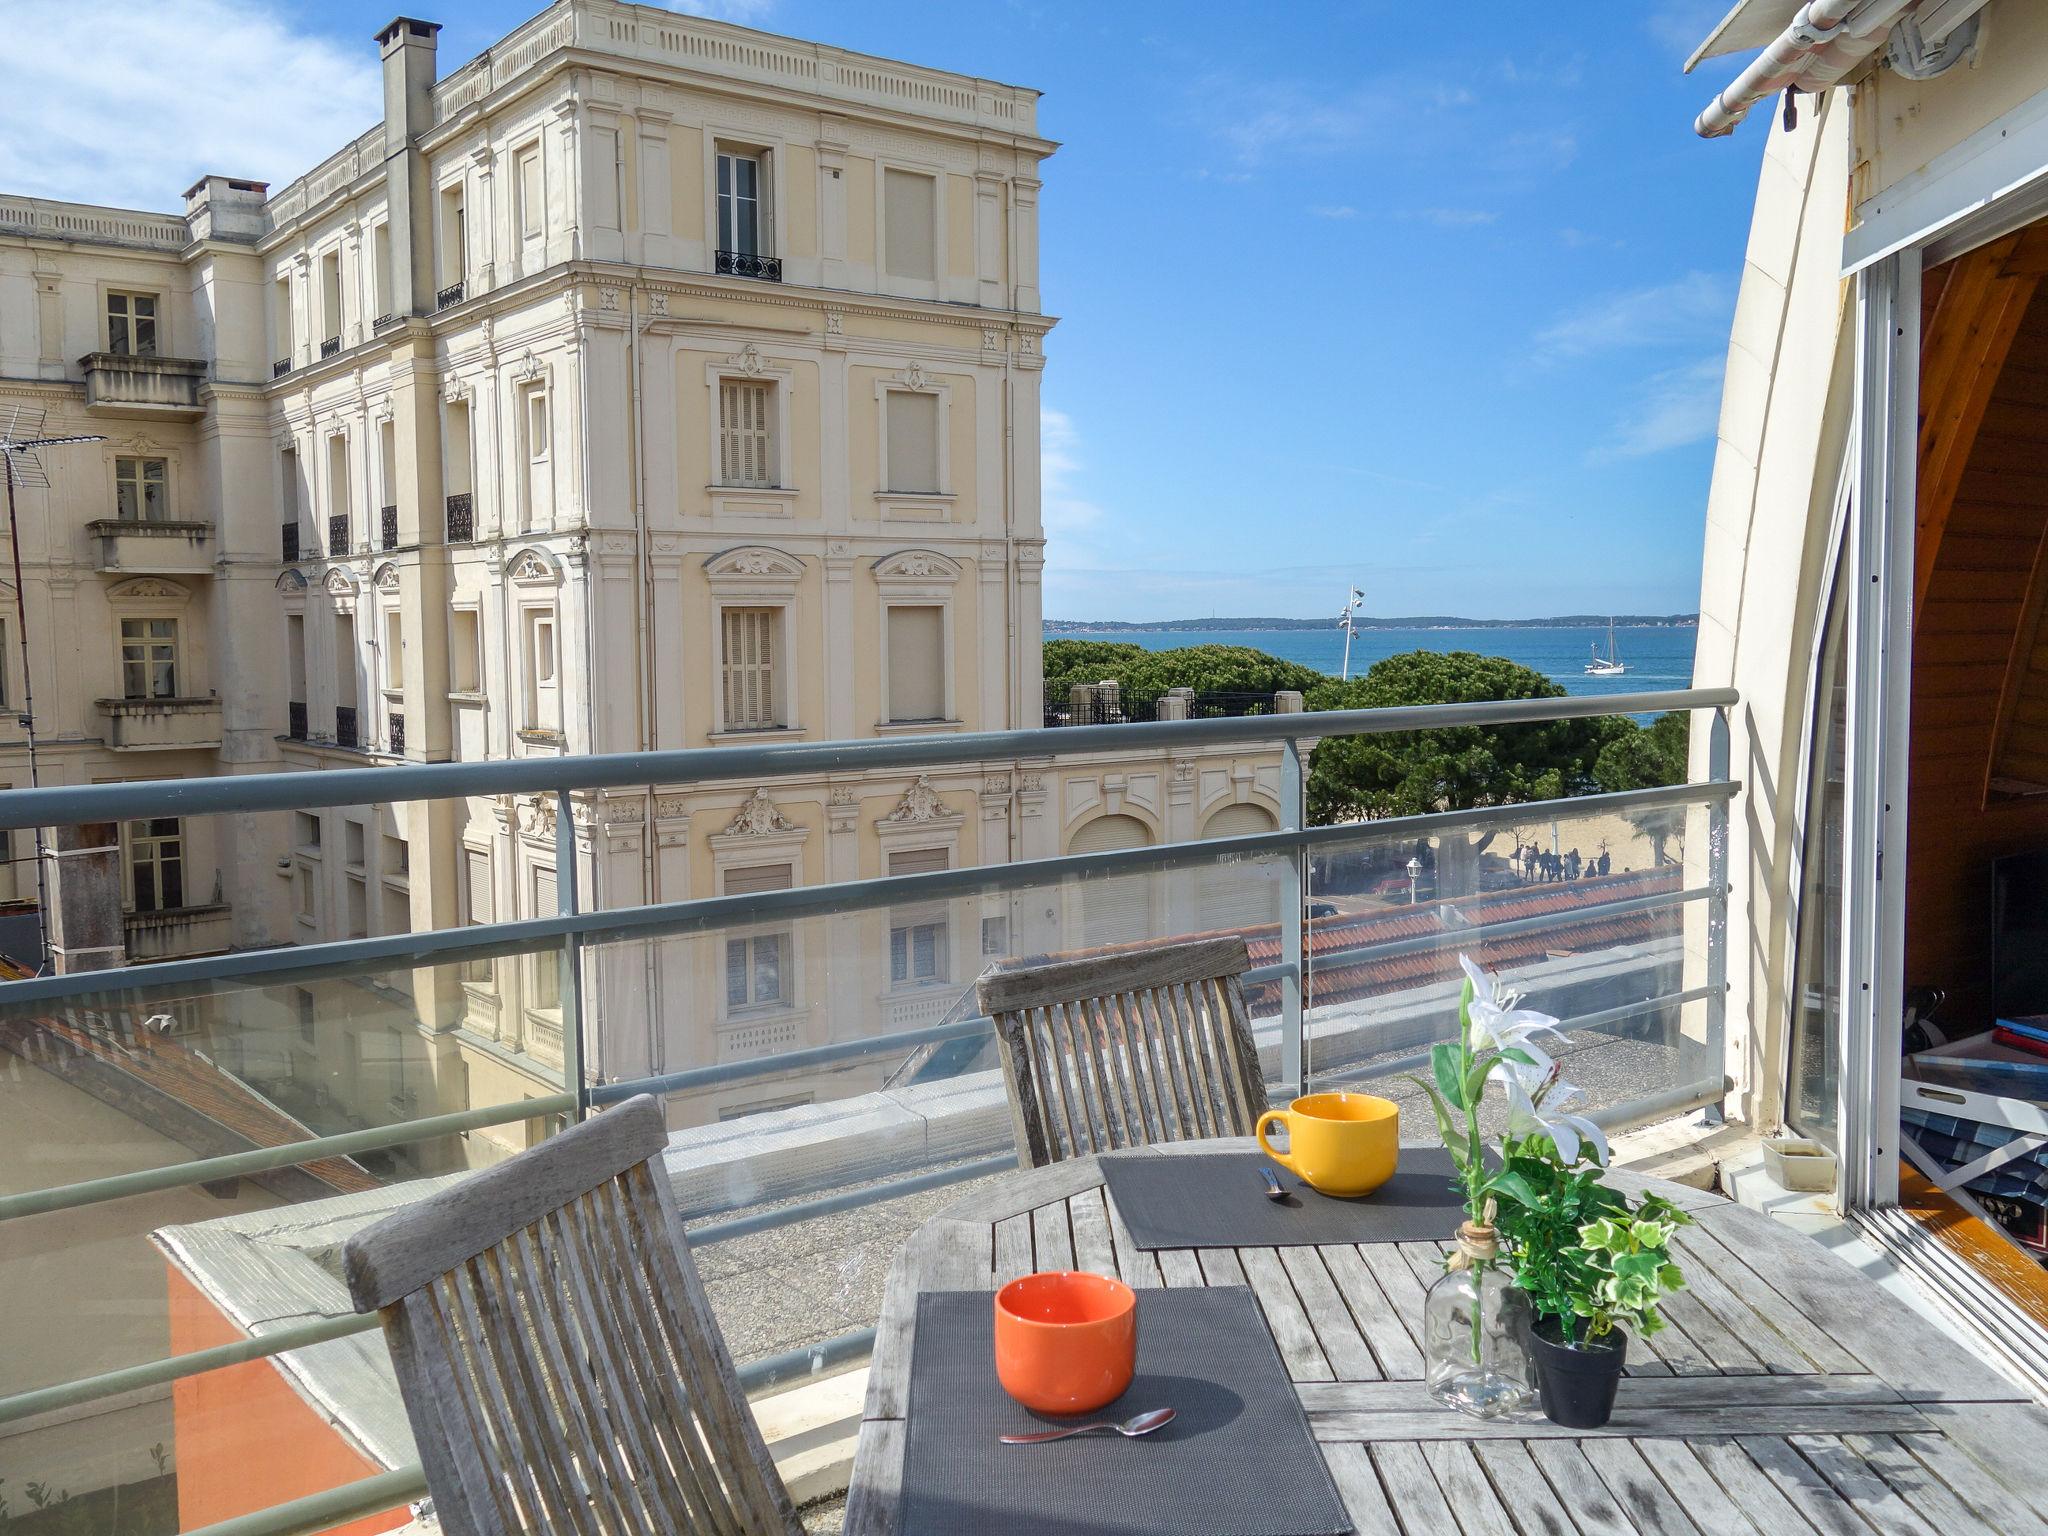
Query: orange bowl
[[1066, 1342]]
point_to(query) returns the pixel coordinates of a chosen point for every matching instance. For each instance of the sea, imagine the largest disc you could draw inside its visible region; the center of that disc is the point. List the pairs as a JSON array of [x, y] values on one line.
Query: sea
[[1657, 658]]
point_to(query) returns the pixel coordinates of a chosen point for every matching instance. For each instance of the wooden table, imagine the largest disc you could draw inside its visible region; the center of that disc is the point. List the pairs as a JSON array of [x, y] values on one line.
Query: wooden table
[[1789, 1397]]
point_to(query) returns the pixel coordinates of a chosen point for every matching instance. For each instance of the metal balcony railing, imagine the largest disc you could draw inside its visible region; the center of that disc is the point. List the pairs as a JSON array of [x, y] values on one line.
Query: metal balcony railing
[[397, 734], [288, 543], [461, 518], [296, 728], [337, 534], [1348, 985], [346, 733], [449, 296], [330, 346], [280, 368], [382, 324], [747, 264], [387, 528]]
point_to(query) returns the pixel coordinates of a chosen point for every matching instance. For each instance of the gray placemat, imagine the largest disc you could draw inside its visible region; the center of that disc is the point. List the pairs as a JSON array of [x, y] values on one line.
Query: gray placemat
[[1218, 1200], [1238, 1459]]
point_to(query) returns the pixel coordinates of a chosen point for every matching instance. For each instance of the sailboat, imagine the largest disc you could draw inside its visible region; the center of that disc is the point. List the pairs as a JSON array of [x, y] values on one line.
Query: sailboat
[[1609, 665]]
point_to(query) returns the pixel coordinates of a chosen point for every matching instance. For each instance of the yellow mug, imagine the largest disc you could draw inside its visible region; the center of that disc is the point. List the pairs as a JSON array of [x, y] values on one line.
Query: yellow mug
[[1342, 1144]]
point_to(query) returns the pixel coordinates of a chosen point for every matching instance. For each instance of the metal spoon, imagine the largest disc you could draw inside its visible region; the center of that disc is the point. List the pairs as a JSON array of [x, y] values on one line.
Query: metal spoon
[[1273, 1189], [1130, 1429]]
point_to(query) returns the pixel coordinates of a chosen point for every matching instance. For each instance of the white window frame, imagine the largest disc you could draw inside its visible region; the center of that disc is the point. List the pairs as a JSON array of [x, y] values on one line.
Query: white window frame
[[910, 287], [536, 402], [158, 343], [142, 460], [778, 850], [148, 659], [719, 139], [457, 183], [132, 842], [915, 506], [749, 366], [918, 578], [530, 220], [331, 326], [755, 576]]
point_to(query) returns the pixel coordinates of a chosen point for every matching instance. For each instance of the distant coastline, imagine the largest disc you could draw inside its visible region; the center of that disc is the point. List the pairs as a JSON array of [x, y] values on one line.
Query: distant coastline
[[1427, 621]]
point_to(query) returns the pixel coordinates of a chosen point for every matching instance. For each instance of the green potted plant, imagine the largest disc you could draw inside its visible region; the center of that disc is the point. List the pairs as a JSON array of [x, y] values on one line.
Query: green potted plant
[[1594, 1265]]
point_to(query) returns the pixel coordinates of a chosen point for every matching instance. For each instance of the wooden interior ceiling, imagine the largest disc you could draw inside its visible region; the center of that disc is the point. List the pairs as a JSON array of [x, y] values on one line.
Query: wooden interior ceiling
[[1979, 751]]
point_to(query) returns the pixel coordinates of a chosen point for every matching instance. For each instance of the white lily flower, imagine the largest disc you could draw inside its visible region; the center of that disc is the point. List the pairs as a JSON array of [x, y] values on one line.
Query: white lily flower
[[1497, 1024], [1537, 1100]]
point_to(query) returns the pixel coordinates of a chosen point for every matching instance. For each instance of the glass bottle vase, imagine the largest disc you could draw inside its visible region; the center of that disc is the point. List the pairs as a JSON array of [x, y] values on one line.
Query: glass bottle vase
[[1473, 1323]]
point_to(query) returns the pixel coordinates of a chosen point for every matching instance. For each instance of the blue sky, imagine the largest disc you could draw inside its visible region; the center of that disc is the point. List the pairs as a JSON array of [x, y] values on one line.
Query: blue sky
[[1347, 293]]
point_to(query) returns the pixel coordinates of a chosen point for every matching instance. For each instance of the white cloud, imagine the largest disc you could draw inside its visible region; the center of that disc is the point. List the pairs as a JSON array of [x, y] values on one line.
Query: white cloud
[[1259, 118], [1070, 518], [1681, 25], [1675, 409], [748, 13], [1685, 310], [1455, 218], [1334, 211], [128, 102]]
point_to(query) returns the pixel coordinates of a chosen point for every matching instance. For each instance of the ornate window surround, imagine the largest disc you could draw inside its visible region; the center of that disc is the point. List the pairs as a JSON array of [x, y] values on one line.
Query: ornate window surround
[[778, 500], [917, 578], [917, 506], [535, 576], [755, 576]]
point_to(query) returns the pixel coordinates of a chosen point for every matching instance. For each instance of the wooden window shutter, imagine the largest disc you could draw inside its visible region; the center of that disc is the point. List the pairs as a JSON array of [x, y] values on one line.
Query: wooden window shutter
[[478, 868], [913, 442], [917, 663], [919, 861], [750, 668], [752, 879], [744, 442]]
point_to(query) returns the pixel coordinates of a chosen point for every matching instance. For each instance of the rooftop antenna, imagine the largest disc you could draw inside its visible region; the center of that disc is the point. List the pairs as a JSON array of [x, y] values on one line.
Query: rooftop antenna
[[21, 429], [1348, 622]]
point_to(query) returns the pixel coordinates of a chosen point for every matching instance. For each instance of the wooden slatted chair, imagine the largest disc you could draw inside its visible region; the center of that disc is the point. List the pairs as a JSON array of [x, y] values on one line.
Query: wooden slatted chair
[[560, 1365], [1126, 1050]]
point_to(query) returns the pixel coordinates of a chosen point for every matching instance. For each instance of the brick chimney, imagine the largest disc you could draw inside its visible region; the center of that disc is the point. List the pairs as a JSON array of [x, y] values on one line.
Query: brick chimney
[[409, 47]]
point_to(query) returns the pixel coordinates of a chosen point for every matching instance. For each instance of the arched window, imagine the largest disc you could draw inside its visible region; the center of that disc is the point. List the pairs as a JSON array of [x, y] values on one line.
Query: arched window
[[1114, 910]]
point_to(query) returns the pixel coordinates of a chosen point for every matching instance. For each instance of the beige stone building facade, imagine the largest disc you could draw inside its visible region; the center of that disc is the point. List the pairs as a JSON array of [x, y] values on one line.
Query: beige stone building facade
[[644, 383]]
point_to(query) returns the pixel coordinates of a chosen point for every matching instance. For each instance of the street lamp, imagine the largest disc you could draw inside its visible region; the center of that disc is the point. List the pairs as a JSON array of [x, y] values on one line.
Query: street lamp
[[1414, 873]]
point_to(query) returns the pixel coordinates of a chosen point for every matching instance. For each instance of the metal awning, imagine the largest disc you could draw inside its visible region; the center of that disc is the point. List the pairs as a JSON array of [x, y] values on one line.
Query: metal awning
[[1749, 24]]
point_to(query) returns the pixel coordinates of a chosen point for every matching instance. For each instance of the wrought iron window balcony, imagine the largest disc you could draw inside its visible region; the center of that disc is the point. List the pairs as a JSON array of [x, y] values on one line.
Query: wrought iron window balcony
[[288, 543], [387, 528], [330, 346], [397, 734], [337, 534], [461, 518], [296, 720], [280, 368], [747, 264], [448, 296], [382, 324], [346, 731]]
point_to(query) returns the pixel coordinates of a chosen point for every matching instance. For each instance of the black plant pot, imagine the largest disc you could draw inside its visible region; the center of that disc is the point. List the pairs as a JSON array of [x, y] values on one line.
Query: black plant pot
[[1578, 1380]]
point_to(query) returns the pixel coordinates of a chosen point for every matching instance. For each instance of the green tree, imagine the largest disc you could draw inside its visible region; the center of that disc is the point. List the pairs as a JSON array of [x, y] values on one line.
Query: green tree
[[1648, 757], [1146, 674], [1413, 773]]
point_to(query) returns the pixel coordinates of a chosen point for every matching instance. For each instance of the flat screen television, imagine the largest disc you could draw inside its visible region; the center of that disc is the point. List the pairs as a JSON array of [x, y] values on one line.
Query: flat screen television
[[2019, 934]]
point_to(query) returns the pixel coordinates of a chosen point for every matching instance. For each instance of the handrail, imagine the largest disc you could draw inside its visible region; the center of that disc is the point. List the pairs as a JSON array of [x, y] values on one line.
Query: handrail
[[700, 914], [70, 804]]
